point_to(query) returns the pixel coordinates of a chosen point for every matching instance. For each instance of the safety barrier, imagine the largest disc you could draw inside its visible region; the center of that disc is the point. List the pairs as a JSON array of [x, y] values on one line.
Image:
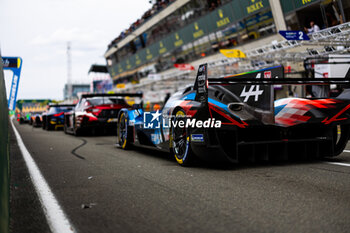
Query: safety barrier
[[4, 157]]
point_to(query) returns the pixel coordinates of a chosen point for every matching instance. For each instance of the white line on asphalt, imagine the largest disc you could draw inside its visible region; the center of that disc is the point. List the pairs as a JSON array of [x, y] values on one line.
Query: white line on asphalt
[[340, 164], [348, 151], [55, 216]]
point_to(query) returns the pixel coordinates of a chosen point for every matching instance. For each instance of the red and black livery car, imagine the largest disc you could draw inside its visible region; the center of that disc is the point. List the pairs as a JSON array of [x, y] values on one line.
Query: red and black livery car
[[96, 112]]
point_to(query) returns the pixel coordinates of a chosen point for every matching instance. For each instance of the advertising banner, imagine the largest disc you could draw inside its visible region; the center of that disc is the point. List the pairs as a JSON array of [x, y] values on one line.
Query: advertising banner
[[232, 53], [184, 66], [15, 65]]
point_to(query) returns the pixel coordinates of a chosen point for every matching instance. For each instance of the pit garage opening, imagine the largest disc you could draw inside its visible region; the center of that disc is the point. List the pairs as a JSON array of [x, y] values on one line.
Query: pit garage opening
[[325, 14]]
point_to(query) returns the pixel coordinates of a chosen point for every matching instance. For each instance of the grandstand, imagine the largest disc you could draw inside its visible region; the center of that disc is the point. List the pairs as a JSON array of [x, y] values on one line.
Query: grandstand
[[193, 32]]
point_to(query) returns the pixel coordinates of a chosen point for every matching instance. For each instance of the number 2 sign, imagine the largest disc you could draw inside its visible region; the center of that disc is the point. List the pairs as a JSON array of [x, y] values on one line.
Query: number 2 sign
[[294, 35]]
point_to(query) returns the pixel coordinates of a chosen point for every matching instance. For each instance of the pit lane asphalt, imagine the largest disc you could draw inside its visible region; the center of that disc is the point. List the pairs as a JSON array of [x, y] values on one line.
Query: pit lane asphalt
[[146, 191]]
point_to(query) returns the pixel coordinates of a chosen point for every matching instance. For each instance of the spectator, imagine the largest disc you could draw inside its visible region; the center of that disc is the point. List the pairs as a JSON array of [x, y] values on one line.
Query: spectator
[[157, 6], [212, 6], [314, 27], [331, 20]]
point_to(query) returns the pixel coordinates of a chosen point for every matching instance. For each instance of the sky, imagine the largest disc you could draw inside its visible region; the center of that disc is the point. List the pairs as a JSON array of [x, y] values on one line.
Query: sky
[[38, 31]]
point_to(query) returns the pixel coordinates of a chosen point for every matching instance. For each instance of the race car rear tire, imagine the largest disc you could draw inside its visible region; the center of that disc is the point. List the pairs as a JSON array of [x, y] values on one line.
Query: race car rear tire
[[180, 139], [77, 131], [49, 126], [340, 143], [44, 123], [65, 128], [123, 132], [37, 122]]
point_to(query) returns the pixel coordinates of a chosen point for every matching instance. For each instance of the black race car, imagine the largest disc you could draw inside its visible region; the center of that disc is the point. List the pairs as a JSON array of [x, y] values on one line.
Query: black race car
[[236, 117], [53, 118], [96, 112]]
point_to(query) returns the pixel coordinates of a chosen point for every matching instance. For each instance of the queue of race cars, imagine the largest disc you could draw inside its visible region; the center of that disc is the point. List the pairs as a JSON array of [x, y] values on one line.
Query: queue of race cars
[[217, 119]]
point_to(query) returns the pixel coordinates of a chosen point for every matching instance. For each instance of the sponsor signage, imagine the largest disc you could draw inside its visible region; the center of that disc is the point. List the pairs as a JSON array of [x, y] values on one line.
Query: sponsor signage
[[128, 65], [197, 138], [294, 35], [149, 54], [301, 3], [162, 49], [267, 74], [223, 21], [198, 31], [11, 62], [220, 18], [253, 6], [184, 66], [120, 85], [137, 60], [15, 65], [201, 84], [232, 53], [290, 5], [178, 41]]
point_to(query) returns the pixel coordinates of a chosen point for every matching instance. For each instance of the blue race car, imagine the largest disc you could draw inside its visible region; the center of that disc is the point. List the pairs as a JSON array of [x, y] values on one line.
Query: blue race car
[[53, 118], [236, 117]]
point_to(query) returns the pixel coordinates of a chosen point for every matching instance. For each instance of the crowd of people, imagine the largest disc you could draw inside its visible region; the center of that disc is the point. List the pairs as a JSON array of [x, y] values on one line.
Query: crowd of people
[[157, 6]]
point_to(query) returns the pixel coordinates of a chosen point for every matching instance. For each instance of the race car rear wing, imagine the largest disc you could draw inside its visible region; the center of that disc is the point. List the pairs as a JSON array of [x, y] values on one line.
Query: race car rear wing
[[267, 76], [254, 89], [113, 95], [284, 81], [61, 105], [247, 88]]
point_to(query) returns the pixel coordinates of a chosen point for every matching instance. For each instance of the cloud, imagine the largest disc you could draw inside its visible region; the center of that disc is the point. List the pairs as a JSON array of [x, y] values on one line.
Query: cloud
[[63, 35], [43, 32]]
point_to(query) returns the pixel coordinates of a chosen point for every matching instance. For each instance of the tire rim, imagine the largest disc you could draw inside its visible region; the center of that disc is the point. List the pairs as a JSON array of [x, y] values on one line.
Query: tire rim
[[180, 139], [122, 130], [341, 136]]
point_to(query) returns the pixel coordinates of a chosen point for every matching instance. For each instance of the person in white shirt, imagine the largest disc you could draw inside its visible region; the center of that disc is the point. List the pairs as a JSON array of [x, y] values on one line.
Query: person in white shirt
[[314, 27]]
